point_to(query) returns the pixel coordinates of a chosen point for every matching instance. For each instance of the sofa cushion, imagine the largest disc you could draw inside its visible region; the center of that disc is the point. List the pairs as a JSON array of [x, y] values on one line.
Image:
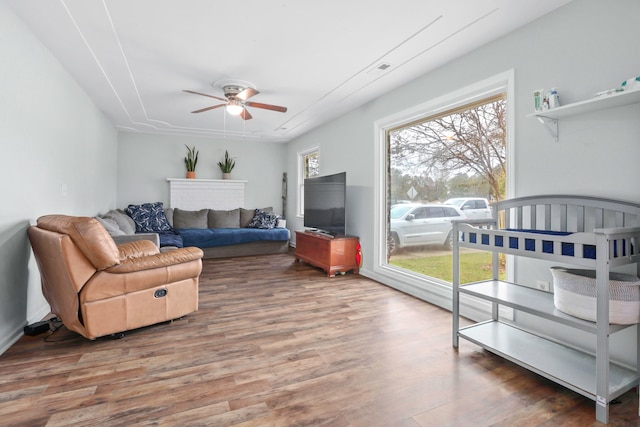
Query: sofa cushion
[[149, 217], [171, 238], [264, 220], [246, 215], [190, 219], [213, 237], [124, 221], [223, 219]]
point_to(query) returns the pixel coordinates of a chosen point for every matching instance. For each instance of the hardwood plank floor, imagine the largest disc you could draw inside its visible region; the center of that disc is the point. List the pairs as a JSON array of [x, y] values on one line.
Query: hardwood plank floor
[[277, 343]]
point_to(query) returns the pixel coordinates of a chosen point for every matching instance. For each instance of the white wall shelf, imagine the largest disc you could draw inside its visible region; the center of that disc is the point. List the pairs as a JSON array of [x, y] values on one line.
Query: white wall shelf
[[550, 117]]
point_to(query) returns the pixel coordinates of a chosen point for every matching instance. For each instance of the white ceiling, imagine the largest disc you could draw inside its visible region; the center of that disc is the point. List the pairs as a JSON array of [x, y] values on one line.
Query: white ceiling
[[318, 58]]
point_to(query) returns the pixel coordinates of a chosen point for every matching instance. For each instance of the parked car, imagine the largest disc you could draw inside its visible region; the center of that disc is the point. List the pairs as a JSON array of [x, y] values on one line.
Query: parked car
[[472, 207], [414, 224]]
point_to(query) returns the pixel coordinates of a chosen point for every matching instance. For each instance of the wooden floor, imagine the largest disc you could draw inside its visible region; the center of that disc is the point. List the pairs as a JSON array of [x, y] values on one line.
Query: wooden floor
[[277, 343]]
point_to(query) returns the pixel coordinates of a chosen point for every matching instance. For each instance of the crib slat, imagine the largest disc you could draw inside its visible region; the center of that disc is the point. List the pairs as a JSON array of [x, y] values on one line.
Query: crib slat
[[547, 217], [599, 215], [519, 217], [580, 219], [534, 224]]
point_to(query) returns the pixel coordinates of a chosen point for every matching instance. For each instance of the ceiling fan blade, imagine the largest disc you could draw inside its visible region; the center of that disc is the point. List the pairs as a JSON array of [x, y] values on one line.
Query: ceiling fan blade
[[209, 108], [204, 94], [245, 114], [266, 106], [247, 93]]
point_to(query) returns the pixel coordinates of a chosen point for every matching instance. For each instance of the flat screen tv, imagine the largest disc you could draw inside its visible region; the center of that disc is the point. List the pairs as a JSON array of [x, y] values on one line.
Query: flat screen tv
[[324, 204]]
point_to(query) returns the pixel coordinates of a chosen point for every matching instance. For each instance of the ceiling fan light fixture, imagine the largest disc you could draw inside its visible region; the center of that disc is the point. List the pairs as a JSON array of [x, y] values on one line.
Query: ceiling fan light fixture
[[234, 108]]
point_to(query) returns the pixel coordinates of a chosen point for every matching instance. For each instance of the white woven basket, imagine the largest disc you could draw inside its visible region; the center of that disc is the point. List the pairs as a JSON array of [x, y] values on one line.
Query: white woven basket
[[574, 293]]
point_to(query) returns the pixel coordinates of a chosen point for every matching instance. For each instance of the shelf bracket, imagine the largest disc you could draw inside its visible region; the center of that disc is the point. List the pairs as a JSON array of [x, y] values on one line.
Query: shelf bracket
[[551, 125]]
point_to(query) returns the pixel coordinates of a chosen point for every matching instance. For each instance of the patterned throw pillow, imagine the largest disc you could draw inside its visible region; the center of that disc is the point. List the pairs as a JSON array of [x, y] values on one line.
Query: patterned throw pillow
[[246, 215], [264, 220], [149, 217]]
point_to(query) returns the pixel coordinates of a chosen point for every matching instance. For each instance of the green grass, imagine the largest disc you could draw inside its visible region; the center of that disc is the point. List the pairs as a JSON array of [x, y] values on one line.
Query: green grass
[[473, 266]]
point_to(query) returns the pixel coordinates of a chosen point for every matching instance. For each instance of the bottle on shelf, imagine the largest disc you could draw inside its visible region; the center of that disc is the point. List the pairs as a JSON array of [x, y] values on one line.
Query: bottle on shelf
[[554, 98]]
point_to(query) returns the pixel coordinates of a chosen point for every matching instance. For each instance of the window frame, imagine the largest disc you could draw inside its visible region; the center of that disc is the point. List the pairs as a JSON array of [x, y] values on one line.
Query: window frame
[[302, 156], [432, 290]]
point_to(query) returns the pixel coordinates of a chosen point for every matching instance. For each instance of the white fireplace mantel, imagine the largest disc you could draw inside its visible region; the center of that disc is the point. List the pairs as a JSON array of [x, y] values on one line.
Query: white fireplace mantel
[[195, 194]]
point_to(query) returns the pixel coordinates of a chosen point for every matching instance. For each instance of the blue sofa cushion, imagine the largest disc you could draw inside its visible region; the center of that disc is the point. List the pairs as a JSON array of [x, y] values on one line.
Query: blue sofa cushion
[[210, 237], [170, 238]]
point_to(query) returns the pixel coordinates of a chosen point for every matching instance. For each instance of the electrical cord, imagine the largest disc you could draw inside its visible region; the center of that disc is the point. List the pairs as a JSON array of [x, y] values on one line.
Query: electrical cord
[[55, 324]]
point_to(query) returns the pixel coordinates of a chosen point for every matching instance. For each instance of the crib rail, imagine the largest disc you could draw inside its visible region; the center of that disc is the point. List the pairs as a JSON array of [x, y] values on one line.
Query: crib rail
[[566, 213], [621, 244]]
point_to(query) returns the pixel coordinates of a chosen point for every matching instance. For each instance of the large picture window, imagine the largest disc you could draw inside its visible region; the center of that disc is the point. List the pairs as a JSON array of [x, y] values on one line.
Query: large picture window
[[444, 160], [443, 168]]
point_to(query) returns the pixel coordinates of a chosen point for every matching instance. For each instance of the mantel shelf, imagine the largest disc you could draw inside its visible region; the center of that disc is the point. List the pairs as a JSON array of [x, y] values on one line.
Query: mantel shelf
[[195, 194], [550, 117], [205, 180]]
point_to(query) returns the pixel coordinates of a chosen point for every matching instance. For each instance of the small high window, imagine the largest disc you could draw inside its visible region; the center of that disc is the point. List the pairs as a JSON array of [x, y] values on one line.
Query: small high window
[[308, 167]]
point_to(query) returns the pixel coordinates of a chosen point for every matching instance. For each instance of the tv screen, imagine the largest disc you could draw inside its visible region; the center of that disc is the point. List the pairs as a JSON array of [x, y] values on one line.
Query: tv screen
[[324, 203]]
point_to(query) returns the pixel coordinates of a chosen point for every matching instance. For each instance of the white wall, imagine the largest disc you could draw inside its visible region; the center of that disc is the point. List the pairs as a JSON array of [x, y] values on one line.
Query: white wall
[[582, 48], [145, 161], [51, 137]]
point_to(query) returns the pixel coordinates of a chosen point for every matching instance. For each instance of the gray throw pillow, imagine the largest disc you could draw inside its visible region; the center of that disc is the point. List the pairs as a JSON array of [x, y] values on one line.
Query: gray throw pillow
[[168, 212], [246, 215], [224, 219], [111, 226], [190, 219], [124, 221]]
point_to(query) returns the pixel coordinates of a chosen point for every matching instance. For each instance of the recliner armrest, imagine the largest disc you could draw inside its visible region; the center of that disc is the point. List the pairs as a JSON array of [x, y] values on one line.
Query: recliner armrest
[[161, 259]]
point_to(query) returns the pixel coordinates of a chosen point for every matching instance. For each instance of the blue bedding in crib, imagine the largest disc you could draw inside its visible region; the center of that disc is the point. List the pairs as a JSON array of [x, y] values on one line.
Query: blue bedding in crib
[[567, 248]]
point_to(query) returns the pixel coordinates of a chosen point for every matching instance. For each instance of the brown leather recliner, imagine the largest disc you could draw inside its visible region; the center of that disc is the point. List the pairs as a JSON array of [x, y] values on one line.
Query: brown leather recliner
[[98, 288]]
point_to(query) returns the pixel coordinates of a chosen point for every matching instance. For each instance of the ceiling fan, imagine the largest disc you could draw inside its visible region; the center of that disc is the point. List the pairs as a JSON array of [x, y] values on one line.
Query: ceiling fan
[[235, 101]]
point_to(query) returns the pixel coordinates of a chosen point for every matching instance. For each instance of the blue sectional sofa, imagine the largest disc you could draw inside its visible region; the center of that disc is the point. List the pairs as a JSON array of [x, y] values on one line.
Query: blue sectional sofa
[[237, 232]]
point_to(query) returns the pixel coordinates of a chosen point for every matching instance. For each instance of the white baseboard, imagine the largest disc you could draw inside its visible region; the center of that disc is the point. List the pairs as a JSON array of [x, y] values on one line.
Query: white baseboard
[[7, 341], [40, 314]]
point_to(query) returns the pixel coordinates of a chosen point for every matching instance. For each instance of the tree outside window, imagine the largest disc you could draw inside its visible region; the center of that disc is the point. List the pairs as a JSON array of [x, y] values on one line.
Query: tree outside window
[[458, 153]]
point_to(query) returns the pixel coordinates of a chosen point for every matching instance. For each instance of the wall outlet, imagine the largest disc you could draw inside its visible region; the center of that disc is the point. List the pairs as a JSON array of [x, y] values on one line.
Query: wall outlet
[[542, 285]]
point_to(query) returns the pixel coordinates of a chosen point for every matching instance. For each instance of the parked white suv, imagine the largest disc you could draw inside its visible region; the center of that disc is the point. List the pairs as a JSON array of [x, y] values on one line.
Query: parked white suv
[[414, 224], [472, 207]]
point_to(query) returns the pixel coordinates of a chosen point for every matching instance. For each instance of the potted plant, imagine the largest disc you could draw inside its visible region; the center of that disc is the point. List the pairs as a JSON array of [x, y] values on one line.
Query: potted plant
[[191, 160], [227, 165]]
